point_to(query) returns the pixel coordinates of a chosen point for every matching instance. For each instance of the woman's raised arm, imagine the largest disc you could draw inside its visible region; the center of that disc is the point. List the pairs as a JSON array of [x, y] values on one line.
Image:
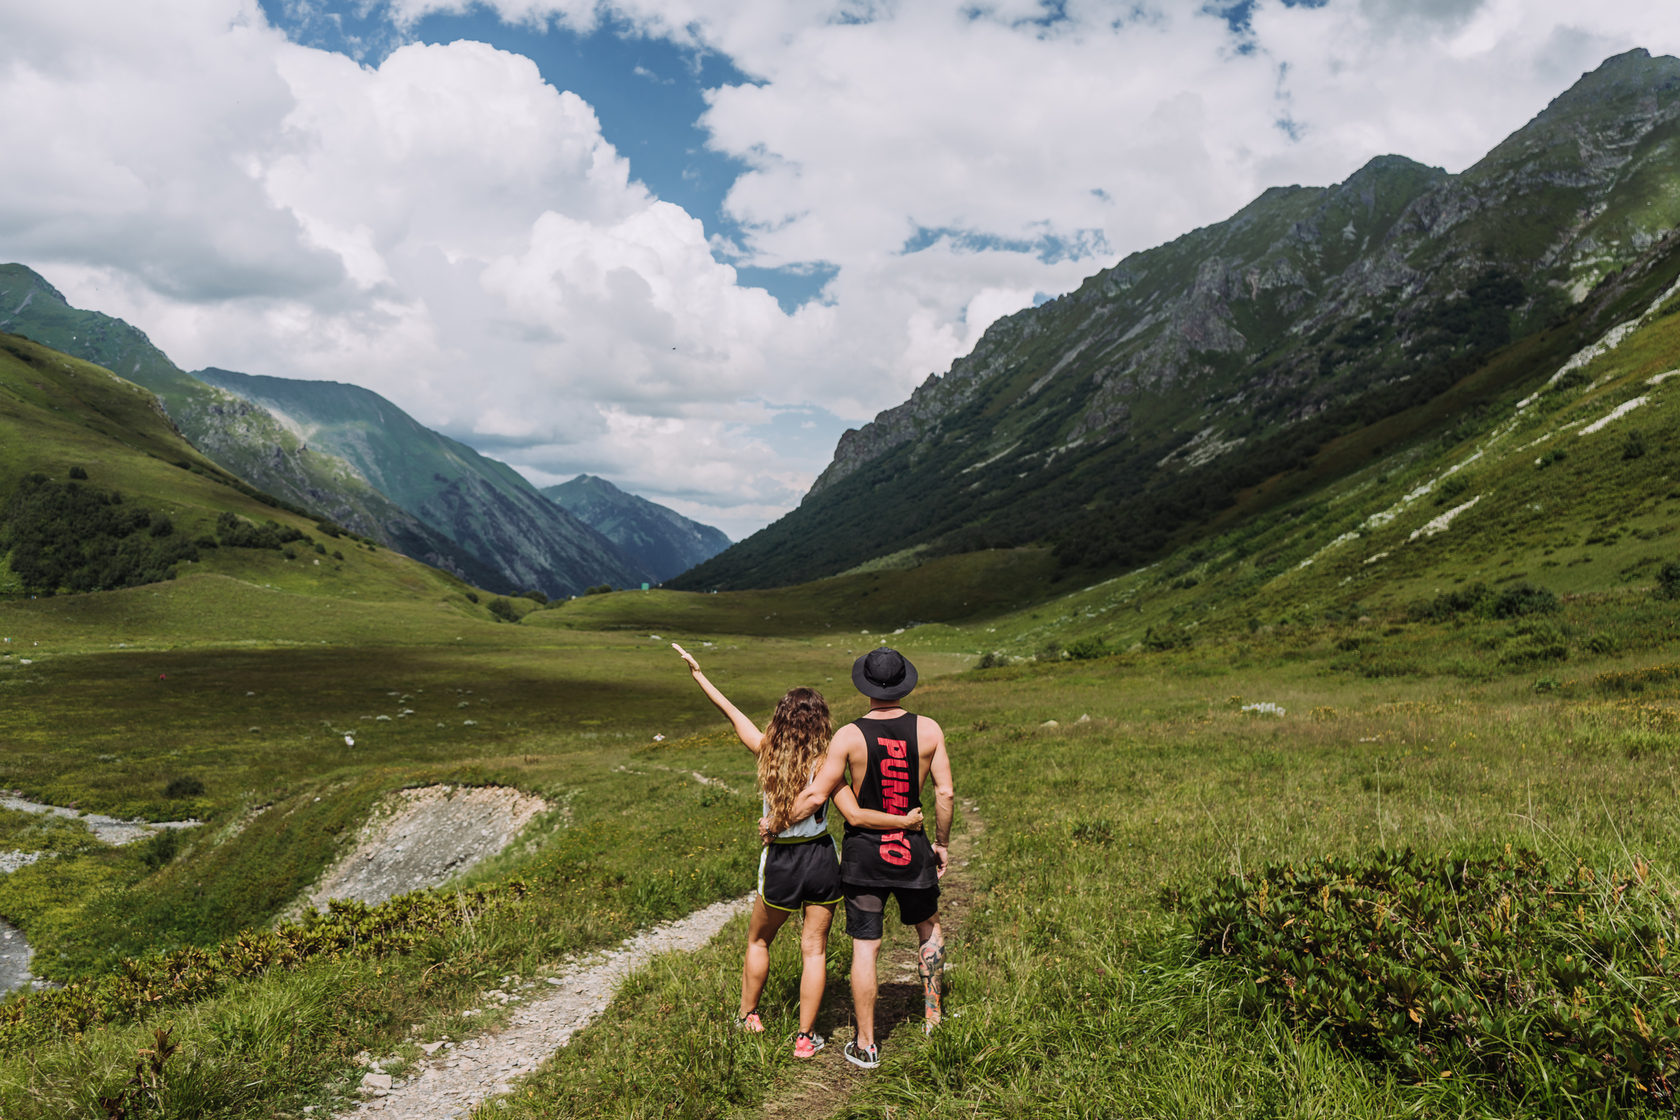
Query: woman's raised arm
[[744, 727]]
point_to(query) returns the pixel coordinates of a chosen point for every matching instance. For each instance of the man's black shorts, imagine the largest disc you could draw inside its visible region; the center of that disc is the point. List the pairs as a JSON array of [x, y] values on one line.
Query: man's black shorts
[[865, 905], [794, 875]]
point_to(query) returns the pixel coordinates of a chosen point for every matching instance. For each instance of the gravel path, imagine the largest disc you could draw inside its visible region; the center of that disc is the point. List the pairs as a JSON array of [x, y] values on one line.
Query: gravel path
[[457, 1077]]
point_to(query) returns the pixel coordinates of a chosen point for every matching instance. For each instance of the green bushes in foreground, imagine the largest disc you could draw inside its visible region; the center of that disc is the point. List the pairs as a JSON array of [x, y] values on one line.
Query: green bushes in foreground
[[1496, 969], [140, 986]]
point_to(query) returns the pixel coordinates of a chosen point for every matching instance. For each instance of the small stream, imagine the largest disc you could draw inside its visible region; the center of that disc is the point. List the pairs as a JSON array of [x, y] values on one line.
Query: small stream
[[15, 956], [15, 953], [110, 830]]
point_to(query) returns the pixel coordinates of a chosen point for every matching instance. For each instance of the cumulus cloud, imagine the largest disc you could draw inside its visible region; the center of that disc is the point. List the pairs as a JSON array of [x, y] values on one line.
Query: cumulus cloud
[[451, 231]]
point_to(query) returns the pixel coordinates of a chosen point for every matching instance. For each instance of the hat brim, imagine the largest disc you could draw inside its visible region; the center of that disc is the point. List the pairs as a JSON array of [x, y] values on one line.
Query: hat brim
[[883, 692]]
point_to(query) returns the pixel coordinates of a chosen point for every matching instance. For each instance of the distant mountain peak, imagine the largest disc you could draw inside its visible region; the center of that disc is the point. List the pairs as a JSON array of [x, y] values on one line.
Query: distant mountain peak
[[660, 539]]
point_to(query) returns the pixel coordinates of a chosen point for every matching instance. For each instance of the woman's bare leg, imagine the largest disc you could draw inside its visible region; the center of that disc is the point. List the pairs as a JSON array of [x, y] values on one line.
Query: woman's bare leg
[[813, 949], [761, 930]]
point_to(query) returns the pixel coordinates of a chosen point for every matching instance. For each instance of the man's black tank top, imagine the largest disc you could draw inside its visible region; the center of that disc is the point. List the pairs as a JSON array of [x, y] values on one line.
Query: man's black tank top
[[891, 784]]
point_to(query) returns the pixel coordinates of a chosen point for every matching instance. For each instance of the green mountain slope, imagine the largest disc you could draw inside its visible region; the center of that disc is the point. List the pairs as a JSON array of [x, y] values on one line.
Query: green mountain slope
[[345, 453], [662, 541], [233, 432], [485, 506], [1118, 418], [99, 491]]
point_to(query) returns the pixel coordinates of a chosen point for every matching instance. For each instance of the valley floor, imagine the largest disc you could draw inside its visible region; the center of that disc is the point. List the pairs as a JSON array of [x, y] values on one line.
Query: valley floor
[[1115, 792]]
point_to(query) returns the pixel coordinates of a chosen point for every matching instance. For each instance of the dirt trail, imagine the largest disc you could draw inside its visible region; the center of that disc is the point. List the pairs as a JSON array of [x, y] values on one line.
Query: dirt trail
[[822, 1085], [457, 1077]]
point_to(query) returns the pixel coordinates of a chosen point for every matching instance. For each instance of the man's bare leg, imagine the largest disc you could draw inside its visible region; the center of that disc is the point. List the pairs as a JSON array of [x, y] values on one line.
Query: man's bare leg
[[930, 965], [864, 954]]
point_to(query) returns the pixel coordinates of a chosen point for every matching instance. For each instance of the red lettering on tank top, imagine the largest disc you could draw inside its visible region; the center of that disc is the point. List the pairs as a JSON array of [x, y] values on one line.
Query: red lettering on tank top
[[895, 798]]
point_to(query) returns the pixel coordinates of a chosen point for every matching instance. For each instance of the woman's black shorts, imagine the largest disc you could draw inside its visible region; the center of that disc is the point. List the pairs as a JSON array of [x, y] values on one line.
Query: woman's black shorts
[[793, 874]]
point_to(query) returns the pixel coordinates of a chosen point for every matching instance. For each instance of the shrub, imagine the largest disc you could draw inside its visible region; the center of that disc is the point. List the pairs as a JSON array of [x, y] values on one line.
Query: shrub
[[162, 527], [184, 786], [71, 537], [535, 596], [78, 473], [1668, 581], [160, 848], [1489, 968], [1523, 599], [472, 596], [337, 555], [992, 659], [144, 985], [1634, 445], [503, 610], [1451, 487], [1086, 649], [599, 589]]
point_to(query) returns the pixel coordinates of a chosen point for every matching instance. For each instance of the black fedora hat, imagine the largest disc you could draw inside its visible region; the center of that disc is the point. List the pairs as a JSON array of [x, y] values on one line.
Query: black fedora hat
[[884, 674]]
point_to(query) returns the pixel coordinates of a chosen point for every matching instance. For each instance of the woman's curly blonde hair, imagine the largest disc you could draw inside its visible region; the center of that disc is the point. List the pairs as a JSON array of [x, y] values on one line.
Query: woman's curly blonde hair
[[794, 741]]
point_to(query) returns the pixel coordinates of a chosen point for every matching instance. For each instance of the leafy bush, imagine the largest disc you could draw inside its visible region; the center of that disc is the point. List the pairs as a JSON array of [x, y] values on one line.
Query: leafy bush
[[1668, 581], [503, 610], [1494, 968], [71, 537], [1634, 445], [160, 848], [184, 786], [598, 589], [1451, 487], [1086, 649], [140, 986], [1515, 601], [79, 473], [1628, 681], [535, 596]]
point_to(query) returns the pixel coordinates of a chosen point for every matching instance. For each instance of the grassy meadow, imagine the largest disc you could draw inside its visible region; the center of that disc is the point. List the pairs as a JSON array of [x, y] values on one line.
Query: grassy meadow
[[1076, 984]]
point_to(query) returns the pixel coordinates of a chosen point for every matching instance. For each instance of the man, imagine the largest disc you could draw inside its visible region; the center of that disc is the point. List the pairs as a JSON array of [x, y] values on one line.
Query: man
[[889, 753]]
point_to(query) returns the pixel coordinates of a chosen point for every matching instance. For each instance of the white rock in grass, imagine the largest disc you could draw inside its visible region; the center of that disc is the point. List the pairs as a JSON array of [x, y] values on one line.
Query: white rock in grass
[[1440, 524], [1616, 413]]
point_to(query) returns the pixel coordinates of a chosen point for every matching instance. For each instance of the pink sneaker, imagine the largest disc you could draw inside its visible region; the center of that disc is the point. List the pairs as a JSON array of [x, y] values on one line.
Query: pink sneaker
[[750, 1022], [806, 1045]]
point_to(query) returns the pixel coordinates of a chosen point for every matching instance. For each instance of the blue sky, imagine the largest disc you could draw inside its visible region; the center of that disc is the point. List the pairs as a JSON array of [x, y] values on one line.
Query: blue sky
[[682, 244]]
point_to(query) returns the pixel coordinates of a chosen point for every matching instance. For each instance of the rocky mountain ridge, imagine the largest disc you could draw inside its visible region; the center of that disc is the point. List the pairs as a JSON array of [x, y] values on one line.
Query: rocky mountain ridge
[[1144, 401]]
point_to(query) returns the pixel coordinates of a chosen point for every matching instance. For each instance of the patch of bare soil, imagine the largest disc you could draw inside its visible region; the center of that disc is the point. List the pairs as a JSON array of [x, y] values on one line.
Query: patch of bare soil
[[419, 838], [821, 1085]]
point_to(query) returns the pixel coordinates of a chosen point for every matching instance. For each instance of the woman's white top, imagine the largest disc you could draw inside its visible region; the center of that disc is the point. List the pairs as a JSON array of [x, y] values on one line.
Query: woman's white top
[[811, 827]]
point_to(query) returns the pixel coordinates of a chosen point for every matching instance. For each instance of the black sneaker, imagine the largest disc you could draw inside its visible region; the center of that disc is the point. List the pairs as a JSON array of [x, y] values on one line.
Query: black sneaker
[[865, 1057]]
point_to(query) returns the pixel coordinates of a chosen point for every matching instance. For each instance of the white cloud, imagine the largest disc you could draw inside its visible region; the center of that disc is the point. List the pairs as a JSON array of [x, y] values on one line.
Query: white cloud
[[454, 233]]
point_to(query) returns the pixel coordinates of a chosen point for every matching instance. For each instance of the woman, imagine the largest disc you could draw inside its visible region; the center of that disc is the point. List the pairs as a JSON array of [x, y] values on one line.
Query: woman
[[799, 868]]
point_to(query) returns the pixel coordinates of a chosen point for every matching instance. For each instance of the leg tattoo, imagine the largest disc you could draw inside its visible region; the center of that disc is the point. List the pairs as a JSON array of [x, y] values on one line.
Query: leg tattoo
[[931, 966]]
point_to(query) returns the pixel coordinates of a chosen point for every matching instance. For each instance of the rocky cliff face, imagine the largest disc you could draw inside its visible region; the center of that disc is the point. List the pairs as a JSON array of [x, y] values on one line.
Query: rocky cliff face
[[1309, 310]]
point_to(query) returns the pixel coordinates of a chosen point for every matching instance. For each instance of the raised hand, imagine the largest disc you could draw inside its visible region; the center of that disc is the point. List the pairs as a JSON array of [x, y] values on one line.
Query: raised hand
[[693, 665]]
